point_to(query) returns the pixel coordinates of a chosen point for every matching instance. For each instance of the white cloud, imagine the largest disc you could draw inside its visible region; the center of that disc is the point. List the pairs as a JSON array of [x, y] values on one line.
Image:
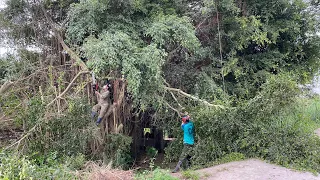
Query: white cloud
[[5, 50]]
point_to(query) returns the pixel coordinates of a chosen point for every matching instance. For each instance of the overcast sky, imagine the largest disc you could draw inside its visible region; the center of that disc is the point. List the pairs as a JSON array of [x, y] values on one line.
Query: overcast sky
[[2, 3], [2, 49]]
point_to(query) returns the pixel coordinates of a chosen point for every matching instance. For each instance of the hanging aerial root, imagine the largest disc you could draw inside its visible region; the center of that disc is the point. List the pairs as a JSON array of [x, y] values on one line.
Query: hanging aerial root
[[71, 53]]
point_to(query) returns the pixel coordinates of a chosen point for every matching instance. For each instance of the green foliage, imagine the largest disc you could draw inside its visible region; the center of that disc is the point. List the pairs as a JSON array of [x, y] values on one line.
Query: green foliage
[[207, 88], [151, 42], [14, 66], [247, 130], [129, 42], [119, 52], [171, 30], [117, 150], [75, 162], [152, 152], [189, 174], [141, 66], [173, 150], [249, 30], [15, 167], [234, 156], [156, 174], [94, 17], [11, 105], [34, 113], [309, 109], [66, 135], [4, 68], [262, 38], [15, 7]]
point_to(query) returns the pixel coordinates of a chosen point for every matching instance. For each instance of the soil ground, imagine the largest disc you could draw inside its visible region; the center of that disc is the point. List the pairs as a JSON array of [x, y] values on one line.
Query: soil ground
[[251, 169]]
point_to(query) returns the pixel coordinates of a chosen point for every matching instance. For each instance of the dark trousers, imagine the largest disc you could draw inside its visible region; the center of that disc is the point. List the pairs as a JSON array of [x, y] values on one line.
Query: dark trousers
[[186, 153]]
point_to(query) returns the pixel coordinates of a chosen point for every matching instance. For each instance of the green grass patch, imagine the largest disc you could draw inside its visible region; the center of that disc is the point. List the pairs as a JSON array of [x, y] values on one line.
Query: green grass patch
[[157, 174], [190, 174]]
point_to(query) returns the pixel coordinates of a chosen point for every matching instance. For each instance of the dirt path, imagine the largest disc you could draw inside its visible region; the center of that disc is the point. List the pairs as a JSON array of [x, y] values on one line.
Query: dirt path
[[252, 169], [317, 131]]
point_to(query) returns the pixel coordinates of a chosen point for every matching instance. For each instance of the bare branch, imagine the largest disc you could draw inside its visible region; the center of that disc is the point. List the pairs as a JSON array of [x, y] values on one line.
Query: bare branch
[[173, 96], [179, 113], [26, 135], [194, 98]]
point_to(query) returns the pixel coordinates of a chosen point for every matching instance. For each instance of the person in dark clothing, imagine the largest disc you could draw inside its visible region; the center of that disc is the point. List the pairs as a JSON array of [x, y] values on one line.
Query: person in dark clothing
[[188, 141]]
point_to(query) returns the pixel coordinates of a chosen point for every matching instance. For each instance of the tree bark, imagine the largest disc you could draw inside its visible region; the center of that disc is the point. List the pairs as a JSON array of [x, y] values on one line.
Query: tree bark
[[5, 87]]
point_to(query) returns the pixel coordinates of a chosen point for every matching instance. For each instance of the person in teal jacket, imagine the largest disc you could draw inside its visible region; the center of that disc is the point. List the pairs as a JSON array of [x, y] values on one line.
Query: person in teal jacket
[[187, 127]]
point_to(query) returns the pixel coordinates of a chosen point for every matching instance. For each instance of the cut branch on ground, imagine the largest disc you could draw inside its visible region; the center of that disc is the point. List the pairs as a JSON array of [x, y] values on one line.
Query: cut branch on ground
[[5, 87]]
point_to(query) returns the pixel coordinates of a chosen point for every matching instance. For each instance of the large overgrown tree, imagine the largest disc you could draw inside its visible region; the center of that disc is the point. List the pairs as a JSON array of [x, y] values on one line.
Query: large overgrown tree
[[173, 54]]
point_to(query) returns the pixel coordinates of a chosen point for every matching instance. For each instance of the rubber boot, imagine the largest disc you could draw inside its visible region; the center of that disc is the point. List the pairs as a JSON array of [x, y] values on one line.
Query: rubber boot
[[93, 114], [188, 164], [177, 167], [98, 121]]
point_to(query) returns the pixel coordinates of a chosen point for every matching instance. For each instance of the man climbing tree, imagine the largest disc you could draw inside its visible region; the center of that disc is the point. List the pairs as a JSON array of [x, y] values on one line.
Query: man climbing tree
[[104, 103], [188, 141]]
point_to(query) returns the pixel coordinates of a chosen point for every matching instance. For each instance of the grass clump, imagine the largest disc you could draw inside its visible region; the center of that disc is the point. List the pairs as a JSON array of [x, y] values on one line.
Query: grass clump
[[156, 174], [190, 174]]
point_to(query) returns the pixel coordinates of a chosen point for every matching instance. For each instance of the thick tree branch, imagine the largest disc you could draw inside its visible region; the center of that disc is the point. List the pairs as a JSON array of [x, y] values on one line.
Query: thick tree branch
[[5, 87], [194, 98]]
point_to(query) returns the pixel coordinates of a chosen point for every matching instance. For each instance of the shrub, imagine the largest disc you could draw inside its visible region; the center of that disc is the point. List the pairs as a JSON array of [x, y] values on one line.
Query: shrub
[[117, 150], [14, 167], [157, 174], [152, 152], [189, 174], [66, 135]]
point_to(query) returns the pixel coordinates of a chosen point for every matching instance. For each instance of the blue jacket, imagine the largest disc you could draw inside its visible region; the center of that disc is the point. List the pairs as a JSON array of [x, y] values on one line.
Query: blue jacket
[[188, 133]]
